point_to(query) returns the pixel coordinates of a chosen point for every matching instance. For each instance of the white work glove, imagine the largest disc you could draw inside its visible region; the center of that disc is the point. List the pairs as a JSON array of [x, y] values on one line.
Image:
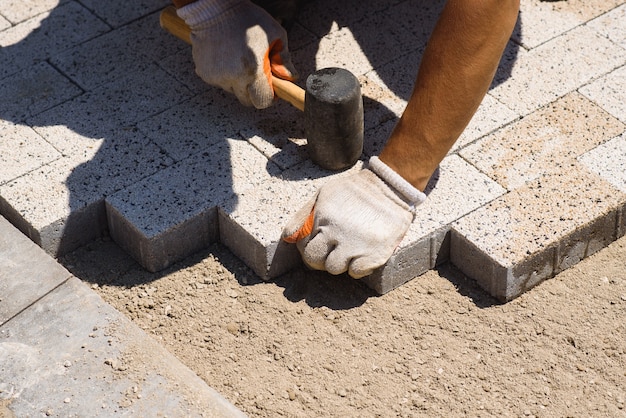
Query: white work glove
[[236, 45], [355, 223]]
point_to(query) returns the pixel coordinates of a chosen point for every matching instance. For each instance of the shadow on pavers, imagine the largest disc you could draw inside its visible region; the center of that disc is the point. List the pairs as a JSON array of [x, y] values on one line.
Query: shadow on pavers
[[128, 96]]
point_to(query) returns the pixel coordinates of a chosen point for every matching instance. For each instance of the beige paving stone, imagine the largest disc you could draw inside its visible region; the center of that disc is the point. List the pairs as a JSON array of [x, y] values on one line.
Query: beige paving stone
[[541, 21], [17, 11], [21, 151], [612, 25], [544, 141], [609, 92], [529, 234], [4, 23], [555, 68]]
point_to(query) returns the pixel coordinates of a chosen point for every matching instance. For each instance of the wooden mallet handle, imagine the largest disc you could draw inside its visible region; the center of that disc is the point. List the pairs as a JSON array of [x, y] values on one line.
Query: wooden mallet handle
[[284, 89]]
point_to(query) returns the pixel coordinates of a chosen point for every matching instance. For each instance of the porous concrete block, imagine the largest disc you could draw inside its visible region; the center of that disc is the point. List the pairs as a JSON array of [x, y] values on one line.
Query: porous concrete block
[[173, 213], [26, 273], [541, 21], [34, 90], [252, 228], [119, 13], [4, 24], [120, 53], [609, 92], [608, 161], [518, 240], [22, 150], [611, 25], [544, 141], [73, 354], [518, 86], [45, 35], [455, 190]]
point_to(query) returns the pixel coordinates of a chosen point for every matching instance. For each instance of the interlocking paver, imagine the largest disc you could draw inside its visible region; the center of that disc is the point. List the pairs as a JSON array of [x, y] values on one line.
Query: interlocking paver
[[112, 112]]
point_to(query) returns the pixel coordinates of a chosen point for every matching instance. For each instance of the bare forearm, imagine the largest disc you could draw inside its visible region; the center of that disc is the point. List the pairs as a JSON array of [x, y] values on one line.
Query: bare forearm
[[456, 70]]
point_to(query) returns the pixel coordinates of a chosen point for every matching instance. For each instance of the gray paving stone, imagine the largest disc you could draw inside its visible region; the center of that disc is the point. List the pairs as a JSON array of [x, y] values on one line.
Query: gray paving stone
[[119, 53], [611, 25], [173, 213], [119, 13], [34, 90], [609, 92], [608, 161], [519, 86], [456, 190], [26, 273], [22, 150], [18, 11], [45, 35], [529, 234], [543, 141], [87, 359]]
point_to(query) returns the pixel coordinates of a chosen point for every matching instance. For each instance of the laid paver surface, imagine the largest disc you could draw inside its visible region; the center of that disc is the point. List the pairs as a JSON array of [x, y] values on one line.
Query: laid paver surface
[[106, 130]]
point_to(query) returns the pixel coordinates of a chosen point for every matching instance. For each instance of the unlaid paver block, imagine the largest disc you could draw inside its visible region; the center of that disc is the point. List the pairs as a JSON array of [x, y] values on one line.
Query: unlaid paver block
[[22, 150], [455, 190], [537, 77], [34, 90], [26, 272], [535, 231], [45, 35], [71, 345], [609, 92], [544, 141], [611, 25], [173, 213]]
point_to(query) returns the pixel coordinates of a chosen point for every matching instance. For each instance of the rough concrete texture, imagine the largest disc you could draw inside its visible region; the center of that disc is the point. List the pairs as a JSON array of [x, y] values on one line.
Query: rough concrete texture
[[107, 130], [65, 352]]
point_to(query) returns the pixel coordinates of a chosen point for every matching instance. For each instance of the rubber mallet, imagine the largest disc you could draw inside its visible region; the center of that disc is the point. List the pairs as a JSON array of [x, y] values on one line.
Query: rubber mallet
[[332, 106]]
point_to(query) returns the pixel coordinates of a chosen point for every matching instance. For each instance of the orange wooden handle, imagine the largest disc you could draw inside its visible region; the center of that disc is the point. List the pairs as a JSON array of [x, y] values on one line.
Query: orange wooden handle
[[284, 89]]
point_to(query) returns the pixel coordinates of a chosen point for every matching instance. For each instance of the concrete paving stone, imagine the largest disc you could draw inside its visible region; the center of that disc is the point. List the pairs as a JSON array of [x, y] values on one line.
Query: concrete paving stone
[[322, 17], [103, 113], [46, 35], [544, 141], [609, 161], [541, 21], [531, 79], [4, 24], [455, 190], [251, 224], [173, 213], [26, 274], [180, 65], [528, 235], [117, 54], [17, 11], [61, 205], [375, 138], [417, 16], [87, 359], [119, 13], [611, 25], [34, 90], [609, 92], [369, 46], [22, 150]]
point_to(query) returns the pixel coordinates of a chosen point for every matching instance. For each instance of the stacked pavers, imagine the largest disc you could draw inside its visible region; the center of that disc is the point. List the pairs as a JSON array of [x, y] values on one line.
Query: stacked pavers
[[105, 129]]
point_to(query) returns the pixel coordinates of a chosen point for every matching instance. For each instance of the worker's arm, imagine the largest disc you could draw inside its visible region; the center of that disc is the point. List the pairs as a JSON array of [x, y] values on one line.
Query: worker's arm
[[355, 223], [456, 70], [237, 45]]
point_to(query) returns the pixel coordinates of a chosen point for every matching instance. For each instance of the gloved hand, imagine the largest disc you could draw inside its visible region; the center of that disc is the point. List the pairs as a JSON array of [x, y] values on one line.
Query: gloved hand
[[354, 223], [237, 45]]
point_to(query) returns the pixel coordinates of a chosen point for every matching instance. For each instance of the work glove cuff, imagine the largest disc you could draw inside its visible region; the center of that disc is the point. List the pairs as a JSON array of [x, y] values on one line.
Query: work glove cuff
[[397, 183], [203, 11]]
